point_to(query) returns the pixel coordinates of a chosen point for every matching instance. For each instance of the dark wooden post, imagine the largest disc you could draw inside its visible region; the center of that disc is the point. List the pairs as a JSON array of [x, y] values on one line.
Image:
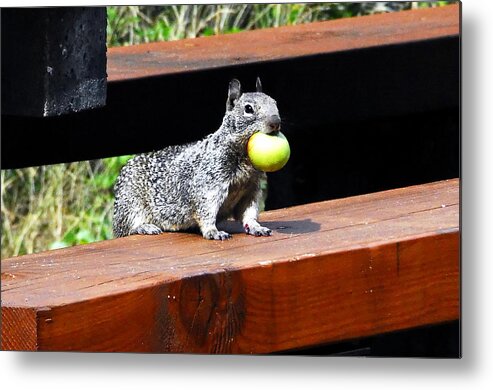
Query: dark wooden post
[[53, 60]]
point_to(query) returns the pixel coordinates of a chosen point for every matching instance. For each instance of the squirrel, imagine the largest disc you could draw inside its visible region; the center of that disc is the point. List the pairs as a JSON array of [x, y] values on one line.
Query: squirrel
[[201, 183]]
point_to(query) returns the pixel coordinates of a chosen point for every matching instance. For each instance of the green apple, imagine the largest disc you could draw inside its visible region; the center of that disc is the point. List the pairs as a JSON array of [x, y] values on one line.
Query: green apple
[[268, 152]]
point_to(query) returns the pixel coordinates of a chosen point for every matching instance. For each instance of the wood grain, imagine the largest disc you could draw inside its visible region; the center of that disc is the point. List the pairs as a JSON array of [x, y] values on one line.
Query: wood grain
[[332, 271]]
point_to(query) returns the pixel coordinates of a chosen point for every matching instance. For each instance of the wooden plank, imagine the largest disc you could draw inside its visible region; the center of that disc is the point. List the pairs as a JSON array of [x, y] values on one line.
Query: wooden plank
[[332, 271], [282, 43], [19, 327]]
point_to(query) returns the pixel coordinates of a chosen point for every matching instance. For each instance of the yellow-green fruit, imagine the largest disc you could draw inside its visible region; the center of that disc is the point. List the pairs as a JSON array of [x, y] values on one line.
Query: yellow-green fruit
[[268, 152]]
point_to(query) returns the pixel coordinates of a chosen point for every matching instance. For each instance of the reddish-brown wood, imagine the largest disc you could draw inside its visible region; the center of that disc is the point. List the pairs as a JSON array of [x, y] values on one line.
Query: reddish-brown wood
[[157, 59], [19, 328], [332, 271]]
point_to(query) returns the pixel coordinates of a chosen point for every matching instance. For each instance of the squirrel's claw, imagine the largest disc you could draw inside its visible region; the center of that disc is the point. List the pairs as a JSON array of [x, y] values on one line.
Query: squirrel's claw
[[257, 231], [217, 235]]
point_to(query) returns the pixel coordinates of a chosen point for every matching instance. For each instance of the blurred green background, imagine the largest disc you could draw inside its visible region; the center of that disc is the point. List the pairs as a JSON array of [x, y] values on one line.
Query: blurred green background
[[61, 205]]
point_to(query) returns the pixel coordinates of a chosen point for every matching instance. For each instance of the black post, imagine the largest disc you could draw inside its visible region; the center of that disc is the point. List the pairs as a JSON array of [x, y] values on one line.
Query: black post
[[53, 60]]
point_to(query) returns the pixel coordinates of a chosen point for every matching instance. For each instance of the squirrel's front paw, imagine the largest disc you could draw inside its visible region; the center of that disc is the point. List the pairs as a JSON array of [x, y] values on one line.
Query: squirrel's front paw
[[146, 228], [215, 234], [257, 230]]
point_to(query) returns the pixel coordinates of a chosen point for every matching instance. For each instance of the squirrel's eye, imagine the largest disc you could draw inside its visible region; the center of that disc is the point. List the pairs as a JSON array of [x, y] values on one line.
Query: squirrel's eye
[[249, 109]]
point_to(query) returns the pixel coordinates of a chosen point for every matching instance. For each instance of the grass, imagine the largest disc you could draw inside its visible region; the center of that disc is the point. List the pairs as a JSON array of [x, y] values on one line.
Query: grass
[[60, 205], [55, 206]]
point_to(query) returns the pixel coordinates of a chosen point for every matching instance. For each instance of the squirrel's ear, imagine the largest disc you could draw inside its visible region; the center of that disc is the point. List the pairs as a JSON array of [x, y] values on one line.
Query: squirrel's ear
[[258, 85], [234, 93]]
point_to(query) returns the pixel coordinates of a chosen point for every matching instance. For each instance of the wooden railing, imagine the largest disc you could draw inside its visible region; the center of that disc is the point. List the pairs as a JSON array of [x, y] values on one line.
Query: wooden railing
[[333, 271]]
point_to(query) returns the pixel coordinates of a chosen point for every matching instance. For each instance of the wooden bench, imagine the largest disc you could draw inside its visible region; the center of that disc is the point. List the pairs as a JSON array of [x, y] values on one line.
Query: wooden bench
[[332, 271]]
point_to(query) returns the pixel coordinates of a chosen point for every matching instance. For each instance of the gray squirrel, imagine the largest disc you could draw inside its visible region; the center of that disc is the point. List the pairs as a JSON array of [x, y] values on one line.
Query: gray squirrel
[[201, 183]]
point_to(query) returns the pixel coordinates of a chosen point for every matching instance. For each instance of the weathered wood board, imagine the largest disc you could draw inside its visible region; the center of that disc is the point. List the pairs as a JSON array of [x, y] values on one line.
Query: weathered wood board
[[332, 271]]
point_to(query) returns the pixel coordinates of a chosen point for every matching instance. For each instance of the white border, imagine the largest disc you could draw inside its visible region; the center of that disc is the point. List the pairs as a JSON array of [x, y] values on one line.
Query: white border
[[474, 371]]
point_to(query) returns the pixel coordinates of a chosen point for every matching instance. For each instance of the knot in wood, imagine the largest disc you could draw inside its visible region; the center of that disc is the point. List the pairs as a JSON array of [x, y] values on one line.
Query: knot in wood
[[212, 310]]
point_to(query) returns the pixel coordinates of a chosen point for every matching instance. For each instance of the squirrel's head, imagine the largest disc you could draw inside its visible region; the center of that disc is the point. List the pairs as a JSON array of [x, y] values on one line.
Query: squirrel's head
[[252, 111]]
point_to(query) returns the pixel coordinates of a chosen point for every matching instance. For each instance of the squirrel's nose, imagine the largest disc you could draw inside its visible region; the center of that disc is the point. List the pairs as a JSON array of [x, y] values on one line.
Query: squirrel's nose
[[274, 122]]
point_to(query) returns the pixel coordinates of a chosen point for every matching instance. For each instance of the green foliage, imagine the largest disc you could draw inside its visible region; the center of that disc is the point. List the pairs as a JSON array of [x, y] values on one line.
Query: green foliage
[[57, 205], [430, 4]]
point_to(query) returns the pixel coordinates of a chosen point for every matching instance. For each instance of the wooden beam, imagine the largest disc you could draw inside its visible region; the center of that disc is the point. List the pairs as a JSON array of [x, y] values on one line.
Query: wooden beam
[[332, 271], [282, 43]]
